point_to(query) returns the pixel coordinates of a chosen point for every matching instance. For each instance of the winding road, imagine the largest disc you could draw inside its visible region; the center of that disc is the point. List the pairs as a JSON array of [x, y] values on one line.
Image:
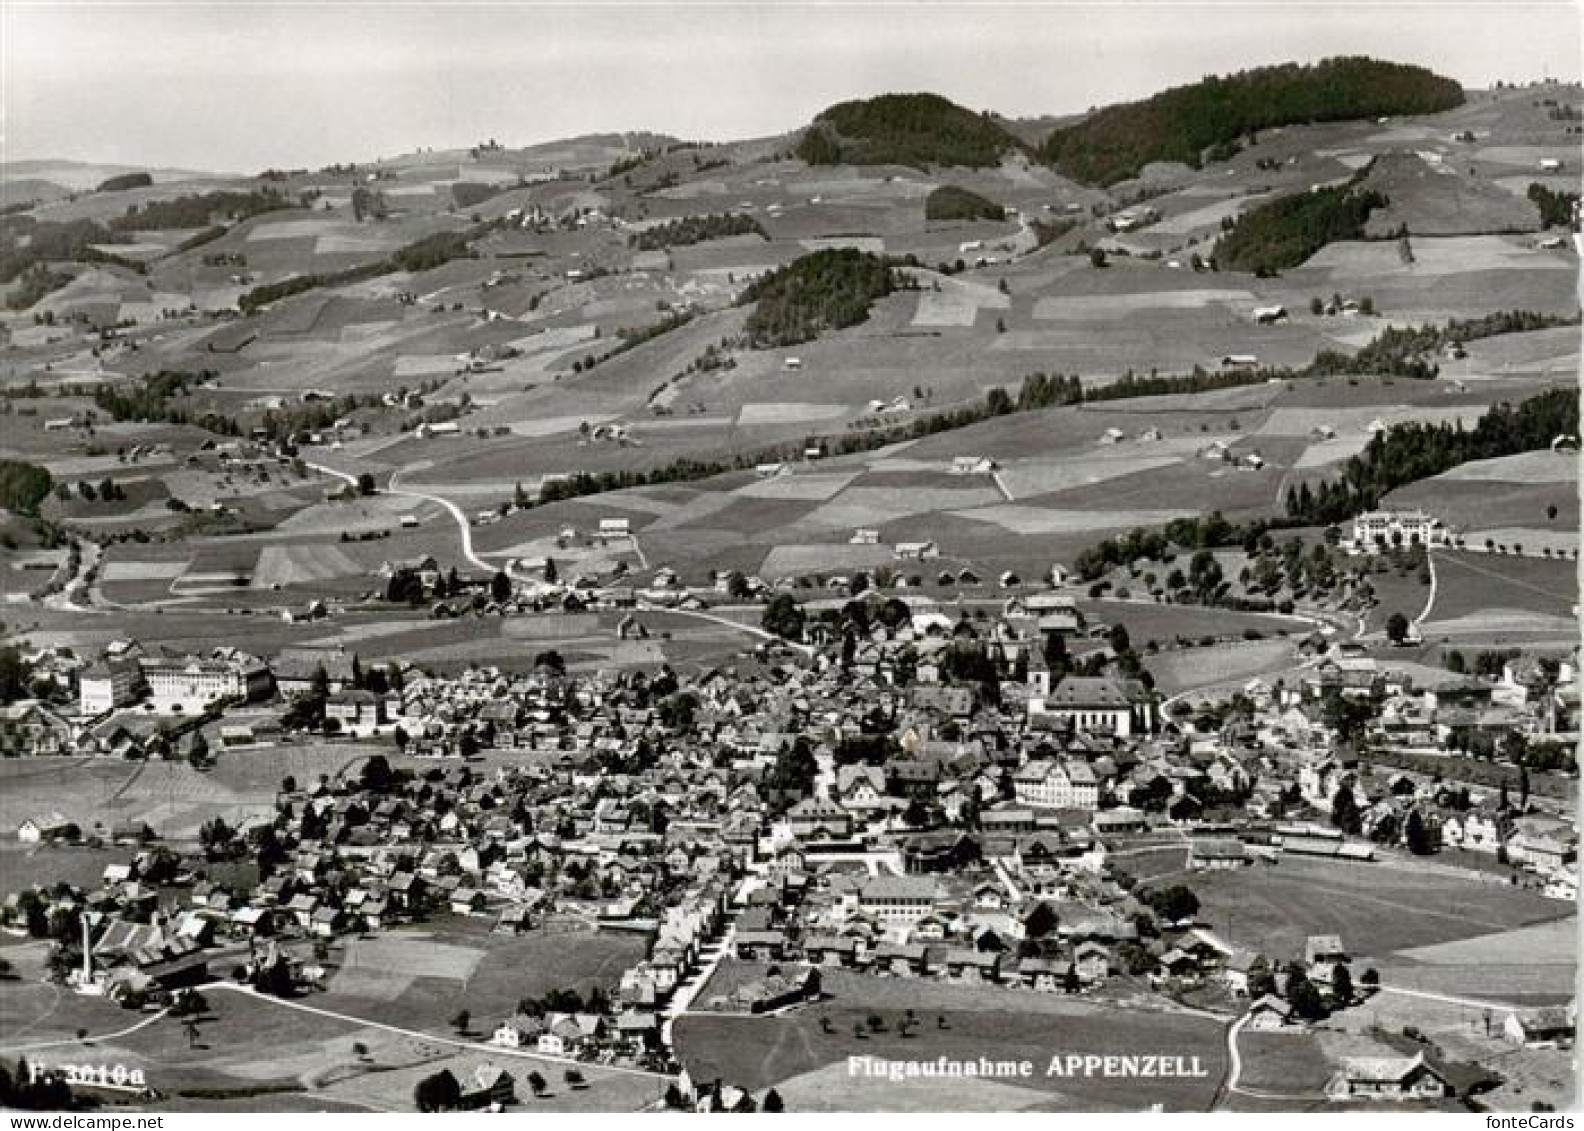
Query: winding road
[[464, 530]]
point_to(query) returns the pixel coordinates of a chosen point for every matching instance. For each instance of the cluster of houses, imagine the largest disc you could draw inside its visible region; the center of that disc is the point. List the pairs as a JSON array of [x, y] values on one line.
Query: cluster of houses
[[858, 809]]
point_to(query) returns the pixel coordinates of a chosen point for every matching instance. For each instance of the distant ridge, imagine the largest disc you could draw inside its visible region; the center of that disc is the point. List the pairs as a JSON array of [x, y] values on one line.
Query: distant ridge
[[1180, 124]]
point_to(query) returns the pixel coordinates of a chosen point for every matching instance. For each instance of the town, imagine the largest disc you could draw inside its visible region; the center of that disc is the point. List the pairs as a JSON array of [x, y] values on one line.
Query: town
[[916, 608]]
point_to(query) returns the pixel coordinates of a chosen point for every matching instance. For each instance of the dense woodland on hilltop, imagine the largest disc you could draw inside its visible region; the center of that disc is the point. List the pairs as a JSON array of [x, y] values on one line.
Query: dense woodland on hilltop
[[919, 130], [1282, 233], [695, 229], [1408, 453], [826, 290], [1182, 123], [950, 202]]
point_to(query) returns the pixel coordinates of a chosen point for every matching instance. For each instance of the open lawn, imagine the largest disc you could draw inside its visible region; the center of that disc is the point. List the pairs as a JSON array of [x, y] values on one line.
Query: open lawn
[[1469, 583], [757, 1052], [1286, 1063], [459, 964], [1376, 908]]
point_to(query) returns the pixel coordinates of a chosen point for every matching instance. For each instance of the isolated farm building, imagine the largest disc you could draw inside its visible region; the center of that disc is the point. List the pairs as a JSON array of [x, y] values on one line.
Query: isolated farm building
[[864, 536], [612, 528], [1550, 1027], [916, 551], [1268, 315], [48, 827], [972, 465], [1252, 461], [1150, 436], [1112, 436], [1388, 1078], [1240, 361], [489, 1086], [441, 428], [1322, 952]]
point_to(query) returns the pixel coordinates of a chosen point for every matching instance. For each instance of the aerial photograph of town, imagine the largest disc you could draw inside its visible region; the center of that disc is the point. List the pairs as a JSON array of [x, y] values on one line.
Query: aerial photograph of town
[[720, 557]]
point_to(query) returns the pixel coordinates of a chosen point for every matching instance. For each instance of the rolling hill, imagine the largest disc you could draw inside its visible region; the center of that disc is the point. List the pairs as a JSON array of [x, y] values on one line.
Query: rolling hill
[[1181, 124], [920, 130]]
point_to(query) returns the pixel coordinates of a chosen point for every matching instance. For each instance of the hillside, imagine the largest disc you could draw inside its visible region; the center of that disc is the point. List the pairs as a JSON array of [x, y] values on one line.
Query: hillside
[[1182, 123], [920, 130]]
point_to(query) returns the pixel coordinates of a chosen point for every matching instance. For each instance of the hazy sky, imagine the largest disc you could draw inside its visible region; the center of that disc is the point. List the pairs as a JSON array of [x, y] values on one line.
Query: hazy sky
[[240, 86]]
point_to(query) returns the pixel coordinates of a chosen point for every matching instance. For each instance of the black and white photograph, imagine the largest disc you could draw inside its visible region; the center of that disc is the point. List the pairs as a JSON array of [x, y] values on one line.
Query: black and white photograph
[[903, 556]]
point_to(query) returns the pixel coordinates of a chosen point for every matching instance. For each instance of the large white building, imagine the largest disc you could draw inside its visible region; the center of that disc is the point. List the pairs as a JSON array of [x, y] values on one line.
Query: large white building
[[1057, 785], [897, 899], [192, 683], [108, 685], [1397, 528], [1093, 705]]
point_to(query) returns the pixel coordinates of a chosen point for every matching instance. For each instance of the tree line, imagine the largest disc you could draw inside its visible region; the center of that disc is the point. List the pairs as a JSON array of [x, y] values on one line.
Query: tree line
[[695, 229], [1410, 452]]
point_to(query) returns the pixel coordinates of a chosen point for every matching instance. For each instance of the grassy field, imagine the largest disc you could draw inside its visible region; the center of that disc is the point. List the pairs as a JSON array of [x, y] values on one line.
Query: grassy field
[[459, 964], [793, 1050], [1469, 583], [1286, 1063], [1377, 908]]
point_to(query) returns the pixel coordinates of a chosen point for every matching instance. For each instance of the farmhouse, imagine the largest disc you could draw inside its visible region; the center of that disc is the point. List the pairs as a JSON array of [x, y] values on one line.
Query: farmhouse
[[1269, 1012], [32, 729], [48, 827], [1388, 1078], [972, 465], [1541, 1028]]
